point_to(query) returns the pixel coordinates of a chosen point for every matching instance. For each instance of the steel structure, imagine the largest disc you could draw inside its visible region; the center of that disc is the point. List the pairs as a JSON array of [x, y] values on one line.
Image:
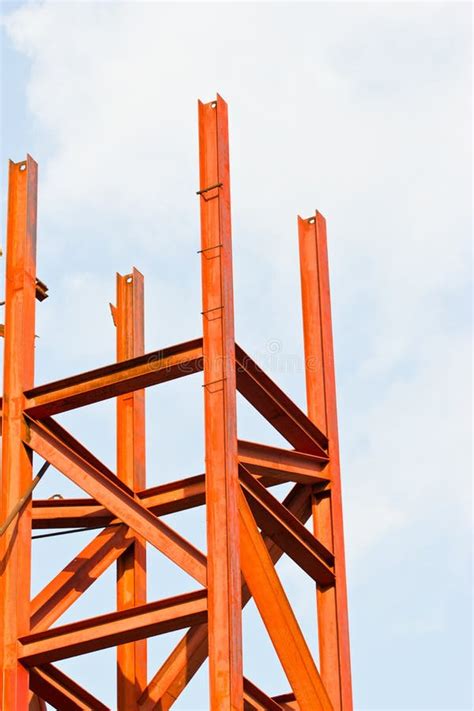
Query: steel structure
[[248, 528]]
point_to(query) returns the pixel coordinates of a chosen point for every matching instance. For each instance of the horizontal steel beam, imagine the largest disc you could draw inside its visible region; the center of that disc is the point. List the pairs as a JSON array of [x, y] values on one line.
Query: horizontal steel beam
[[273, 464], [59, 690], [69, 513], [160, 500], [116, 379], [114, 628], [283, 464], [276, 407]]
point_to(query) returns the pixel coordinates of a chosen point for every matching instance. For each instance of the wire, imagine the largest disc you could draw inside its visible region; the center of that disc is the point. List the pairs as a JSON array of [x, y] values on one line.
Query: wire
[[73, 530]]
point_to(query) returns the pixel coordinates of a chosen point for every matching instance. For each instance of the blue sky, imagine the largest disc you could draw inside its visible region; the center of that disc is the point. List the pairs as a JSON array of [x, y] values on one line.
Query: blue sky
[[360, 110]]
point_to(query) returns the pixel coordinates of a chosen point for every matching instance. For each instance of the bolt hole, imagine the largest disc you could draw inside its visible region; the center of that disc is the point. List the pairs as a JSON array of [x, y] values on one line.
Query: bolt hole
[[23, 166], [311, 220], [129, 280], [213, 104]]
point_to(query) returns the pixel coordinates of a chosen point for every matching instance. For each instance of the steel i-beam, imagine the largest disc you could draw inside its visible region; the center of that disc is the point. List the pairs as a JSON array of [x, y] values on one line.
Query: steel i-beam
[[333, 627], [224, 604], [128, 317], [15, 544]]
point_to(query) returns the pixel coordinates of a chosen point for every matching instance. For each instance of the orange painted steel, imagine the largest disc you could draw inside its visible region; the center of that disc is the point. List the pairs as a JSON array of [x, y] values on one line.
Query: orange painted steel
[[15, 544], [220, 411], [271, 465], [248, 528], [333, 626], [114, 628], [131, 565]]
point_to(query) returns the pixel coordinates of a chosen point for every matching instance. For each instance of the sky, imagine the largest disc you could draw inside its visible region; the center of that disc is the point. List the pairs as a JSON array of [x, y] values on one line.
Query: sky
[[359, 110]]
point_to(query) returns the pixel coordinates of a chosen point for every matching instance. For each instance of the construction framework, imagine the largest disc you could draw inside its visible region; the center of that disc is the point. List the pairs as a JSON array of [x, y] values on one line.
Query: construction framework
[[248, 528]]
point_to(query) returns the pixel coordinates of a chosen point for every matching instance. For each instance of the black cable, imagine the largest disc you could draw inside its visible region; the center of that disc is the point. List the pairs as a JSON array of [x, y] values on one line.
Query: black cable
[[72, 530]]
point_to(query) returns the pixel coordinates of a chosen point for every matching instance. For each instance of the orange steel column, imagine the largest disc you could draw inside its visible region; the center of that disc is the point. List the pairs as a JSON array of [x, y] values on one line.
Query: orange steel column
[[15, 544], [223, 568], [333, 627], [131, 566]]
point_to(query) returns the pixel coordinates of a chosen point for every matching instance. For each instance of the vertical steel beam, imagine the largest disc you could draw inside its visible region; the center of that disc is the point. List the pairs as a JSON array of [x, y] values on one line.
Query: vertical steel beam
[[333, 626], [15, 544], [224, 582], [131, 566]]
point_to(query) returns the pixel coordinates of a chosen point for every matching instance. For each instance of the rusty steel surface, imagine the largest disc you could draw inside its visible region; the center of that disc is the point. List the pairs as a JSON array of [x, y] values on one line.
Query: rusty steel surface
[[248, 528]]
